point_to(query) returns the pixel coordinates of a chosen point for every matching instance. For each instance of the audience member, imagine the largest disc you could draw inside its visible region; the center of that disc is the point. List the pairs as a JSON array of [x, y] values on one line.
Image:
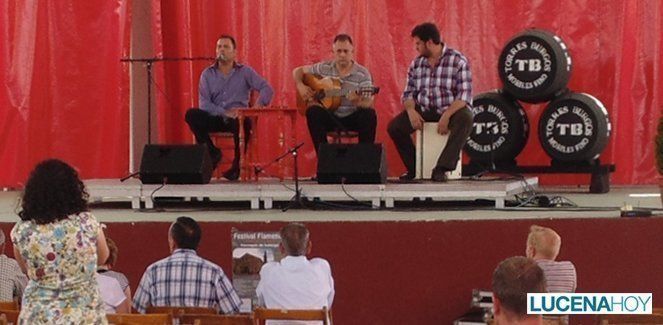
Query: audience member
[[543, 246], [115, 301], [60, 244], [106, 269], [513, 279], [185, 279], [296, 282], [12, 279]]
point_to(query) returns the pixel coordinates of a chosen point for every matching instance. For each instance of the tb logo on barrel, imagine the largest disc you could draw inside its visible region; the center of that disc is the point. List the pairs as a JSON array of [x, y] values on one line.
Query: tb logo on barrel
[[567, 127], [528, 58], [534, 66], [500, 128], [574, 127]]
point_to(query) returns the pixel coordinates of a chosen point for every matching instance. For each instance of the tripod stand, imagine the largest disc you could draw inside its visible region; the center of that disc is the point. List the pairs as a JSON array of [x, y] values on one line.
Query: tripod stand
[[297, 201]]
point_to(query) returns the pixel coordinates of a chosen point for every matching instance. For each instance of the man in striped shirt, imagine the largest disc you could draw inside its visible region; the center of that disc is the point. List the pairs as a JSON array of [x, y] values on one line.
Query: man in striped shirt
[[356, 111], [185, 279], [543, 246], [438, 89]]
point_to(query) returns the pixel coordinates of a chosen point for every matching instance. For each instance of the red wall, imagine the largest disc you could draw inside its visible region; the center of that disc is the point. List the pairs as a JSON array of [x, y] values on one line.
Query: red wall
[[423, 272]]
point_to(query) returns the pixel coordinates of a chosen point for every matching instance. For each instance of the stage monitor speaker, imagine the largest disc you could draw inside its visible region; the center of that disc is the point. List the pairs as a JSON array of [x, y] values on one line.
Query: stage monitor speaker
[[175, 164], [361, 163]]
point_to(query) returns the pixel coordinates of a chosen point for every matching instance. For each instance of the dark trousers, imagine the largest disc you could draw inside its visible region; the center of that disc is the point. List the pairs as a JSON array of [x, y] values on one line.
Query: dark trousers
[[460, 126], [320, 121], [202, 124]]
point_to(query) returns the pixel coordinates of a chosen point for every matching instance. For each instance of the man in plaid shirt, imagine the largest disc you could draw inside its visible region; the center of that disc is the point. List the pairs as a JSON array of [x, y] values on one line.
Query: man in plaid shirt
[[12, 279], [185, 279], [438, 89]]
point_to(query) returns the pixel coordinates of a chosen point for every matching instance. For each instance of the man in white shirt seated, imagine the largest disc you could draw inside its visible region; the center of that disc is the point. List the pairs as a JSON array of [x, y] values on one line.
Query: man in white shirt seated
[[296, 282]]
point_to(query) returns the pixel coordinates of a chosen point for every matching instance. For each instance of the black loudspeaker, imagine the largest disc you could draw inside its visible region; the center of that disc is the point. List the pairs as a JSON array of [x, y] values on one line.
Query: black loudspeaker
[[362, 163], [175, 164]]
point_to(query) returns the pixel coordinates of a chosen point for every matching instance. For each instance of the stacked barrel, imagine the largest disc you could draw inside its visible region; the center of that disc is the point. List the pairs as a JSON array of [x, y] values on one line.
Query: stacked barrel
[[535, 67]]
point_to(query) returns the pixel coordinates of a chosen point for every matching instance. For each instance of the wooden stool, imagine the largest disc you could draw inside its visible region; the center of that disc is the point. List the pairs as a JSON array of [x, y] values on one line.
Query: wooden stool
[[343, 136], [429, 144], [276, 116], [226, 143]]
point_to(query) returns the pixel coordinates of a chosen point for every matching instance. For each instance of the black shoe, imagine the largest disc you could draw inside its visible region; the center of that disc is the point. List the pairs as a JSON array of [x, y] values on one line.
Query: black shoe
[[231, 174], [439, 175], [408, 176]]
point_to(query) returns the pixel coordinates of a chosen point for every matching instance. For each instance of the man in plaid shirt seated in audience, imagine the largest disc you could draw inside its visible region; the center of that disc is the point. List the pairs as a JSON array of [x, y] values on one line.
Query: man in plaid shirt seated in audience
[[12, 279], [184, 278]]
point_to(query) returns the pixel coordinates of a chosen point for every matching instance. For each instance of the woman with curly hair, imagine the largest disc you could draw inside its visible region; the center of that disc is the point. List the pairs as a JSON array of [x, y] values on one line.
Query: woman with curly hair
[[60, 243]]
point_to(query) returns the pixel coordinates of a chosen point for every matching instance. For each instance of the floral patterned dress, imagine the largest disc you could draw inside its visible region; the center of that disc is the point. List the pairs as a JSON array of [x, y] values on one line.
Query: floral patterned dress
[[61, 259]]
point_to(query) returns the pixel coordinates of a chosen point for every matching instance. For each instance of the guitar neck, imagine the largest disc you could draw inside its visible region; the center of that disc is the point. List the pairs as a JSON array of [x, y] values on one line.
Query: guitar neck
[[344, 92], [336, 92]]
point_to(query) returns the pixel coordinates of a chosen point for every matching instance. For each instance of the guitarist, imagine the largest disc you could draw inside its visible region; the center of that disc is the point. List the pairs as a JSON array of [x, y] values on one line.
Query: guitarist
[[356, 112], [438, 89]]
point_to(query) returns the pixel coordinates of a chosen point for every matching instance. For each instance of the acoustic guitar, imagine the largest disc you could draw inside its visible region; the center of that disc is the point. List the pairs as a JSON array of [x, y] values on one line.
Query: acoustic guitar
[[328, 92]]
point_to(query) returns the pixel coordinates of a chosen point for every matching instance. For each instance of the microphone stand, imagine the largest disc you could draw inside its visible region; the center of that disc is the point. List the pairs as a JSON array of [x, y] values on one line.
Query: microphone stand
[[259, 169], [297, 201], [148, 66], [130, 176]]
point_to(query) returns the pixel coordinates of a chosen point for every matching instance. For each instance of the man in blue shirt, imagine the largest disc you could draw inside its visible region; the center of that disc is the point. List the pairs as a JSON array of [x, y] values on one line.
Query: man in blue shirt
[[224, 87]]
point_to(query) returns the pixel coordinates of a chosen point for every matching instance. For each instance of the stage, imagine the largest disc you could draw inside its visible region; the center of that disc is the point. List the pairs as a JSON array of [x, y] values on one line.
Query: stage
[[263, 194], [408, 206]]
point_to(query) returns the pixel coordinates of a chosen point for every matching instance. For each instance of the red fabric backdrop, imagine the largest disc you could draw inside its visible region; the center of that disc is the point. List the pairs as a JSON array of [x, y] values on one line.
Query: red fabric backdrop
[[65, 94], [615, 48], [64, 91]]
